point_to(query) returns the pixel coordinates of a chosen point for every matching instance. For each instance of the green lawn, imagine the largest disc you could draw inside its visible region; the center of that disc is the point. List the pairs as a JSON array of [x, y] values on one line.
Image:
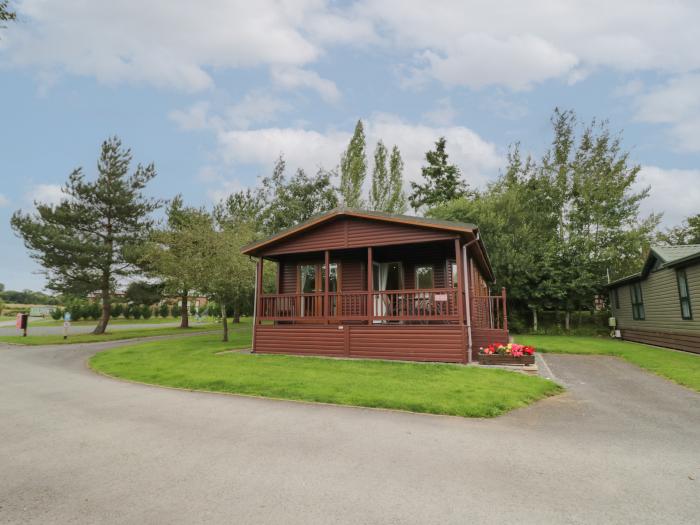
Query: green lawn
[[195, 363], [109, 336], [681, 367]]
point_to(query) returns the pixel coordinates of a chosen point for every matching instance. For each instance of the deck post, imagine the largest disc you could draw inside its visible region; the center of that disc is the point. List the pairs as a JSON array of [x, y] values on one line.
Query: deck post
[[326, 283], [259, 287], [370, 284], [460, 292], [505, 316]]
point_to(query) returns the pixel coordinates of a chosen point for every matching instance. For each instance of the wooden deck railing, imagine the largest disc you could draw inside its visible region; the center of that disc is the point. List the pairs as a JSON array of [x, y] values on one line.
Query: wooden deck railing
[[391, 305], [489, 311]]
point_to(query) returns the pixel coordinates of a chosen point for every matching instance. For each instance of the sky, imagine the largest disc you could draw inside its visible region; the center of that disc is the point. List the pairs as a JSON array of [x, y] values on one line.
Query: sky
[[214, 91]]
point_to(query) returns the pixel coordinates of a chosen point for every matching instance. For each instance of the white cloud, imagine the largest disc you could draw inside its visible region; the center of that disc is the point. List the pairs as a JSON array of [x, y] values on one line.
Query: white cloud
[[46, 194], [443, 114], [310, 149], [4, 201], [194, 118], [256, 108], [165, 43], [673, 191], [518, 44], [676, 103], [294, 77], [515, 44]]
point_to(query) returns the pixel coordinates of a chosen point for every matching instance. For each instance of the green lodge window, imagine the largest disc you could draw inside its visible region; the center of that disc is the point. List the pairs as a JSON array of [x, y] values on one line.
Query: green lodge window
[[616, 298], [684, 295], [637, 302]]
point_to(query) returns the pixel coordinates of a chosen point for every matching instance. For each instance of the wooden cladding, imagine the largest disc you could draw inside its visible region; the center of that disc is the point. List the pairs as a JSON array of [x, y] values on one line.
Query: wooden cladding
[[443, 343], [350, 232], [689, 342]]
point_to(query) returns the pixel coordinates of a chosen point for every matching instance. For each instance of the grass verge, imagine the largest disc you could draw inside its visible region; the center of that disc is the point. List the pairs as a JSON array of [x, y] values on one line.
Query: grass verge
[[33, 340], [196, 363], [681, 367]]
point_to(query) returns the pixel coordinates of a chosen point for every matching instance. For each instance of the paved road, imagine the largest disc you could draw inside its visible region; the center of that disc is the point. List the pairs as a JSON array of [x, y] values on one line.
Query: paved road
[[85, 329], [620, 447]]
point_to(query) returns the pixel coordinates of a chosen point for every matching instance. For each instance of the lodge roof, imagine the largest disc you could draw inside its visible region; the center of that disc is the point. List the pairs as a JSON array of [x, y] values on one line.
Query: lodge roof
[[667, 257], [425, 222]]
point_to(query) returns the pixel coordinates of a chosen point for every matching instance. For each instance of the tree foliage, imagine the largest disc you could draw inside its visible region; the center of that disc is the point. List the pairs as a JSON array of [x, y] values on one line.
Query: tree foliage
[[174, 252], [555, 228], [88, 240], [687, 233], [353, 169], [397, 196], [6, 14], [442, 180]]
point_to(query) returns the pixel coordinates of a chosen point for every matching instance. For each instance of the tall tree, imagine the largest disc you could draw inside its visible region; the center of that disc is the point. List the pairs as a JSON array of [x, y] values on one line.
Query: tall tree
[[228, 277], [288, 202], [380, 191], [555, 227], [397, 195], [85, 243], [174, 253], [687, 233], [443, 181], [353, 169]]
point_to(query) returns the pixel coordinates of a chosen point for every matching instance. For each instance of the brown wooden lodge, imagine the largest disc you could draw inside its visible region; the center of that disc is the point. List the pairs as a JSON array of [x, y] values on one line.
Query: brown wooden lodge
[[355, 283]]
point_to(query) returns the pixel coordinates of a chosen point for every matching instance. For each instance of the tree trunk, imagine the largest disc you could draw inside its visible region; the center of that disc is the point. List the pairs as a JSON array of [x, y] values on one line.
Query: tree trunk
[[534, 319], [236, 314], [184, 312], [223, 320], [567, 321], [106, 311]]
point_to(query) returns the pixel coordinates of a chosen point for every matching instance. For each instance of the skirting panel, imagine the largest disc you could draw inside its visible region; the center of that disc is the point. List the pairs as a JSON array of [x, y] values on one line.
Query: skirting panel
[[485, 336], [678, 341], [444, 343]]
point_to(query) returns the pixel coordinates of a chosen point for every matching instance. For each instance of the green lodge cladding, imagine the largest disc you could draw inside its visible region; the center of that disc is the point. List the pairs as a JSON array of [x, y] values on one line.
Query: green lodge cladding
[[661, 304]]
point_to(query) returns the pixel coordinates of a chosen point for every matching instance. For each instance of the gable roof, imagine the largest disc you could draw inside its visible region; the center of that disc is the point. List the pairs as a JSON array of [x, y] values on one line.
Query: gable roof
[[667, 257], [423, 222]]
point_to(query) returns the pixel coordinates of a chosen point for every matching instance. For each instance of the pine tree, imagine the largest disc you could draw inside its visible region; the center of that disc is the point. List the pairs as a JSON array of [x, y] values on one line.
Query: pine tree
[[87, 242], [397, 195], [380, 195], [353, 169], [443, 181]]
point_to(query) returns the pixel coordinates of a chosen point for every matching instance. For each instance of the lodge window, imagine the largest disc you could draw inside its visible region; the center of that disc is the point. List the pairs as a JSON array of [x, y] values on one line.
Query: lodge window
[[637, 302], [616, 298], [684, 295], [425, 277]]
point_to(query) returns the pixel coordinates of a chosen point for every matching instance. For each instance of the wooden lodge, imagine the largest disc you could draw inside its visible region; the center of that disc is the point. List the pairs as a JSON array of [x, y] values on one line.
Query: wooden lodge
[[354, 283]]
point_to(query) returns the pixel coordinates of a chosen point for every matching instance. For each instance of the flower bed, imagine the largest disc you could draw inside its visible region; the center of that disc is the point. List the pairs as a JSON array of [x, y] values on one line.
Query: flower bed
[[507, 354]]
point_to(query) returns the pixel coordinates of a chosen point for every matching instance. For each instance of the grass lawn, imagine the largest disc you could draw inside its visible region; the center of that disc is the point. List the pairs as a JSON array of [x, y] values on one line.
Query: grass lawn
[[109, 336], [681, 367], [193, 363]]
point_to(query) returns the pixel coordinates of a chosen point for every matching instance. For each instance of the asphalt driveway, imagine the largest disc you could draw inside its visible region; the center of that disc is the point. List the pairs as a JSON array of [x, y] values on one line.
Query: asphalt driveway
[[38, 329], [620, 446]]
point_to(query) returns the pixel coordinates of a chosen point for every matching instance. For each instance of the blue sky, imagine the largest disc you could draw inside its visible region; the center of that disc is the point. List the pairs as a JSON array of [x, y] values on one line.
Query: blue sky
[[214, 91]]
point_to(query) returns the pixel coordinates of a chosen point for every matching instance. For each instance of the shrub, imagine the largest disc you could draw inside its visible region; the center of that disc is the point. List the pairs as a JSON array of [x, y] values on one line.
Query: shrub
[[57, 314], [164, 310], [146, 311], [117, 310], [176, 310], [94, 311], [136, 311]]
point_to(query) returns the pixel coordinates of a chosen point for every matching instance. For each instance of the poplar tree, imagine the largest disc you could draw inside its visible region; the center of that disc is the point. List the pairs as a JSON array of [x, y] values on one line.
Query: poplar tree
[[442, 180], [353, 169], [87, 241], [380, 191], [397, 195]]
